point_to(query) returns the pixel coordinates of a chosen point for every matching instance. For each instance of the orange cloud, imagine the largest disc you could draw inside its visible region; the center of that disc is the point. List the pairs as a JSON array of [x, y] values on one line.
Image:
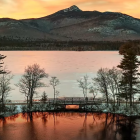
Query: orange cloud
[[20, 9]]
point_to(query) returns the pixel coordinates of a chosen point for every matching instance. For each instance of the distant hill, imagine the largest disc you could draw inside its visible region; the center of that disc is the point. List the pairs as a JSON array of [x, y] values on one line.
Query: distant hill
[[73, 24]]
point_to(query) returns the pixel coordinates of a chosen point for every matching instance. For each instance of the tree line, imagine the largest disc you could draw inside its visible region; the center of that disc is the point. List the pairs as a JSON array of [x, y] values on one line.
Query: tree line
[[132, 46], [71, 45]]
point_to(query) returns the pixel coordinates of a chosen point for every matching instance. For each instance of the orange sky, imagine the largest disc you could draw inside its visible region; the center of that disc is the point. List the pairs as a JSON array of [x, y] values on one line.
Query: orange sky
[[20, 9]]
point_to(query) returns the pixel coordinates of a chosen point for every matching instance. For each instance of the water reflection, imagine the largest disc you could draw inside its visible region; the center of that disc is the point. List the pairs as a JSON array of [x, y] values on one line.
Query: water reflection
[[68, 126], [126, 128], [4, 120]]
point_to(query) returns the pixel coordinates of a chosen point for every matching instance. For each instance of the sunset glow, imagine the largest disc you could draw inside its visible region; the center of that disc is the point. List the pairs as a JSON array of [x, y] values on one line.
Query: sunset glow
[[21, 9], [72, 106]]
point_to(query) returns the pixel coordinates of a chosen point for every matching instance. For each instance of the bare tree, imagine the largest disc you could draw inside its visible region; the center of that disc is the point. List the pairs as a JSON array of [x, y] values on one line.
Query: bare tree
[[81, 85], [54, 82], [56, 93], [5, 87], [84, 85], [107, 82], [31, 81], [102, 83], [113, 78], [93, 91]]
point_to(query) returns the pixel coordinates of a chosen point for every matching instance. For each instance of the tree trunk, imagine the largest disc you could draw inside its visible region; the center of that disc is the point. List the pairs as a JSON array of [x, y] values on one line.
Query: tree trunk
[[54, 94], [114, 100], [126, 102], [31, 96], [2, 100], [27, 102], [131, 90], [31, 101], [106, 93], [133, 100], [119, 101], [130, 98], [84, 94], [106, 97]]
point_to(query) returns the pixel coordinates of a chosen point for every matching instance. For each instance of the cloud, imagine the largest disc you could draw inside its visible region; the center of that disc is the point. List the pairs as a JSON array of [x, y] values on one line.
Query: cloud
[[37, 8]]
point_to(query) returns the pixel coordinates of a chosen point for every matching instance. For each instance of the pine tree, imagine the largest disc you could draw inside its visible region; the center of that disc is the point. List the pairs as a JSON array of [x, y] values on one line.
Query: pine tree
[[1, 58], [129, 65], [1, 82], [44, 97]]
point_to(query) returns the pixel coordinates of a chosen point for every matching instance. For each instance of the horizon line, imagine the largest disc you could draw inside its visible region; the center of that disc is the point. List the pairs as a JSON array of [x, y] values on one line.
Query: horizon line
[[61, 10]]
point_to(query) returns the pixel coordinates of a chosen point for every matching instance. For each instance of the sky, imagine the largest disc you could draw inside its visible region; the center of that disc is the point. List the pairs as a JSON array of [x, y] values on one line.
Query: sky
[[21, 9]]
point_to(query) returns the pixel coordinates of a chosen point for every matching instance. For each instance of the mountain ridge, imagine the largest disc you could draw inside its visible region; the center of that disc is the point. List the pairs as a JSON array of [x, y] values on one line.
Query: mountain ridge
[[74, 24]]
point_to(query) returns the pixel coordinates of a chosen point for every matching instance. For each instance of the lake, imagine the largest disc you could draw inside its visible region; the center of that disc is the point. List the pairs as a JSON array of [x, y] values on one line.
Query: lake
[[69, 126], [67, 66]]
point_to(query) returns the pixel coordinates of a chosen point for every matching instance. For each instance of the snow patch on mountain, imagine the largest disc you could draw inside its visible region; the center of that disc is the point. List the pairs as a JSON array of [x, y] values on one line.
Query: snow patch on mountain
[[3, 23], [72, 8]]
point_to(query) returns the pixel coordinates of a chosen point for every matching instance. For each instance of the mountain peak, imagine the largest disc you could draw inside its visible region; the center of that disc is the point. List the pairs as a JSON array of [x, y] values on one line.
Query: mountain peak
[[72, 8]]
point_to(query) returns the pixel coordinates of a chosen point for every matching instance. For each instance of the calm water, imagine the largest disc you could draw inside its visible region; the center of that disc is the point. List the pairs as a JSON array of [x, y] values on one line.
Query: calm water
[[68, 126], [67, 66]]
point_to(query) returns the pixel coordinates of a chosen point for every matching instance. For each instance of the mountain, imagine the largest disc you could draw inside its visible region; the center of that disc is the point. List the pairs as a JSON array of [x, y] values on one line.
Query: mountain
[[74, 24]]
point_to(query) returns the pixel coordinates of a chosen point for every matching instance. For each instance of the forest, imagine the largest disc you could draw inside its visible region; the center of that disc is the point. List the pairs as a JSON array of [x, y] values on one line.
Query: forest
[[41, 44]]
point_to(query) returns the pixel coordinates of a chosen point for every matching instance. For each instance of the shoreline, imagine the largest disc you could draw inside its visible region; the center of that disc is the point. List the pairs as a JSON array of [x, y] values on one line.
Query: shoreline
[[121, 109], [68, 110]]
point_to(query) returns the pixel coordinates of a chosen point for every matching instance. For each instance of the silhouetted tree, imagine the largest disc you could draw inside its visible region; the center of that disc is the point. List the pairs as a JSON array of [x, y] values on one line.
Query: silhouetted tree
[[113, 78], [54, 82], [1, 58], [5, 87], [31, 80], [44, 97], [101, 81], [132, 46], [129, 66], [107, 82], [84, 85]]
